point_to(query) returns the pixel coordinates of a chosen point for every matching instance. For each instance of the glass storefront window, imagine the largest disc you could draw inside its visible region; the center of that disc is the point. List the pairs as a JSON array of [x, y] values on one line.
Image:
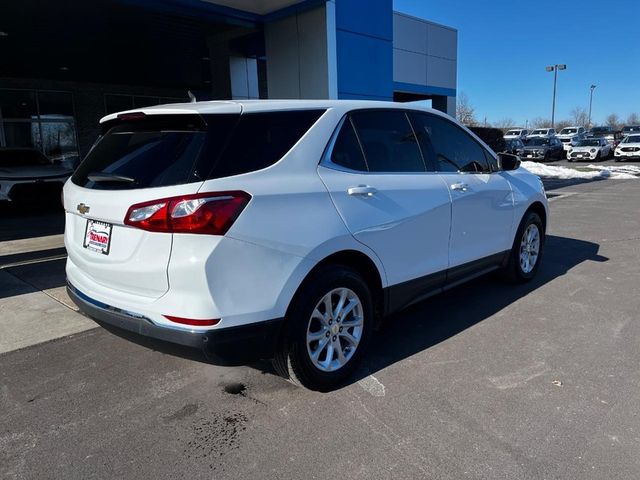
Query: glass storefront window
[[59, 104], [39, 120], [117, 103], [20, 134], [141, 102], [59, 143], [17, 104]]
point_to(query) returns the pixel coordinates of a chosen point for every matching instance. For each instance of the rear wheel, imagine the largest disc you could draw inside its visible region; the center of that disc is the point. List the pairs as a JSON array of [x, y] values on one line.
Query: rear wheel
[[328, 328], [526, 251]]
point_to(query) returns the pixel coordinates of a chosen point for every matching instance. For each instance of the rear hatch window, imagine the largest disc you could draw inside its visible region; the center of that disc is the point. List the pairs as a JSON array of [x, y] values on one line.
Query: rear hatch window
[[164, 150]]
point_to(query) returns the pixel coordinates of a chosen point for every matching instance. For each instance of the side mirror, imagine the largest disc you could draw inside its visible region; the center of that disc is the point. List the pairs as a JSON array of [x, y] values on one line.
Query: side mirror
[[507, 162]]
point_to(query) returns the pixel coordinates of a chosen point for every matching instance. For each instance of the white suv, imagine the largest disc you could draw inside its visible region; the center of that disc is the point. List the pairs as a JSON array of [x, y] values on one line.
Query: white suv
[[286, 229], [520, 133], [543, 133], [569, 136]]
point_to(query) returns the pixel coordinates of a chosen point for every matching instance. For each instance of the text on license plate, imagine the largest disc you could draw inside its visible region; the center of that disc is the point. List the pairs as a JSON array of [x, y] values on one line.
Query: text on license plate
[[97, 236]]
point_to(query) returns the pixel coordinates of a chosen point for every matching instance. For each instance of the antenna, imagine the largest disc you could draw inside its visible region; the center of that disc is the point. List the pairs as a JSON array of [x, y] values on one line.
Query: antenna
[[192, 97]]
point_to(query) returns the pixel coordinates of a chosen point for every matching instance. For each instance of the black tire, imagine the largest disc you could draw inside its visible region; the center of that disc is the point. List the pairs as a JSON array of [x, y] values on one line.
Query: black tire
[[292, 359], [598, 157], [513, 271]]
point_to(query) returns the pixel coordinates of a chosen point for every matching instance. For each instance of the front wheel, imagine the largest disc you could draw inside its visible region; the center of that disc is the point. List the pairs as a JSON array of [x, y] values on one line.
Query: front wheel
[[328, 328], [526, 252]]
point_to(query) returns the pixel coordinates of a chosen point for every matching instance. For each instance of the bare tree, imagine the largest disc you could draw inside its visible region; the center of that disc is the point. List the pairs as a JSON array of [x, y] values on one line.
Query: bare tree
[[633, 119], [465, 112], [613, 121], [540, 122], [504, 124], [579, 116]]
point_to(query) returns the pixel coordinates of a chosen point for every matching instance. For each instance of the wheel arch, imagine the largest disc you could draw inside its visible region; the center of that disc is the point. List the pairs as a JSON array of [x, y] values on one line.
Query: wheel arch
[[361, 263], [538, 208]]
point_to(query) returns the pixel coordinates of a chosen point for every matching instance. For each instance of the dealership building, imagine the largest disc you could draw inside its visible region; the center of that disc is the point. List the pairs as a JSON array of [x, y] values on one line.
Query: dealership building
[[67, 64]]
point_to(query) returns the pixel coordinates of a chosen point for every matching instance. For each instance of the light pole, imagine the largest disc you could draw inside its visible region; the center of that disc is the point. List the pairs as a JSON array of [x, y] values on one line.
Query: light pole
[[554, 69], [593, 87]]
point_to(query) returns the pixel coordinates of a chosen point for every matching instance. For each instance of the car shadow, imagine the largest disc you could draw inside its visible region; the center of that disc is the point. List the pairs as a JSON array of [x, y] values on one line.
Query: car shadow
[[432, 321], [555, 183], [31, 219], [441, 317]]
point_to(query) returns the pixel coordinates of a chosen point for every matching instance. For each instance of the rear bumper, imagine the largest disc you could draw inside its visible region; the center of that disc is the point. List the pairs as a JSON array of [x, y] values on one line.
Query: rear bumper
[[231, 345]]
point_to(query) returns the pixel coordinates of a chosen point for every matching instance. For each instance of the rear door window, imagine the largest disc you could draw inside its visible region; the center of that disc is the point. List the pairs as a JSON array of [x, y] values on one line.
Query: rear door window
[[388, 141]]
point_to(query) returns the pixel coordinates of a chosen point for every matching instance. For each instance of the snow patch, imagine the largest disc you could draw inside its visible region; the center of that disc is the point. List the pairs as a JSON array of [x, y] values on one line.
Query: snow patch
[[372, 385], [565, 173], [632, 169]]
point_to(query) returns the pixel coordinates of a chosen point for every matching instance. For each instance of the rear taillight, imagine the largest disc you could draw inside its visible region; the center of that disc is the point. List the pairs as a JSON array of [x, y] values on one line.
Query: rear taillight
[[204, 213]]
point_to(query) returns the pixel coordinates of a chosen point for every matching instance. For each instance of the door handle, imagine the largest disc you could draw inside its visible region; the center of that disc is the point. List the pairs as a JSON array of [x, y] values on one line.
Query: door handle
[[362, 191], [460, 187]]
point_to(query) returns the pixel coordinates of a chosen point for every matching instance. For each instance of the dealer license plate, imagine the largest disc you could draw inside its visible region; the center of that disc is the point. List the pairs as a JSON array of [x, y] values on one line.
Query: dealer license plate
[[97, 236]]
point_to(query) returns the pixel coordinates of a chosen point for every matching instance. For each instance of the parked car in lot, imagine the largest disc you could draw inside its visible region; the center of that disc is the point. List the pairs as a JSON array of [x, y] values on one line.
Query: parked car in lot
[[608, 133], [628, 149], [520, 133], [285, 229], [27, 175], [492, 137], [630, 130], [544, 149], [590, 149], [569, 135], [542, 133], [514, 146]]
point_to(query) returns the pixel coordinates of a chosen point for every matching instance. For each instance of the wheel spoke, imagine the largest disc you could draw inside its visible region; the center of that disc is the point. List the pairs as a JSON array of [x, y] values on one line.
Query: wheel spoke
[[321, 346], [353, 303], [350, 338], [354, 322], [316, 336], [329, 359], [319, 316], [343, 297], [328, 308], [341, 358]]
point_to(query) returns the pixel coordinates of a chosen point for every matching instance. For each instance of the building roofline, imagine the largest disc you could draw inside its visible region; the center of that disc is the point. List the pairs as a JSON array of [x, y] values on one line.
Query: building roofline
[[423, 20]]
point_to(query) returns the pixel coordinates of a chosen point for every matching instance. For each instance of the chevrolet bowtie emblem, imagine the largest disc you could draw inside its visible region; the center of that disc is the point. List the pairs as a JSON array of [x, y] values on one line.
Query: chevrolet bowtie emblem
[[82, 208]]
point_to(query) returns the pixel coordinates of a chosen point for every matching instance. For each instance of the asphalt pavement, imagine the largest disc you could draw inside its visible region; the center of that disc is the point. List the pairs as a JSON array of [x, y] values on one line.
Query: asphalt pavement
[[487, 381]]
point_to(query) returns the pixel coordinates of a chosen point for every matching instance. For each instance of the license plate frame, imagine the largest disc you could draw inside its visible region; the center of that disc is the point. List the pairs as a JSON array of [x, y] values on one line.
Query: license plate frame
[[97, 236]]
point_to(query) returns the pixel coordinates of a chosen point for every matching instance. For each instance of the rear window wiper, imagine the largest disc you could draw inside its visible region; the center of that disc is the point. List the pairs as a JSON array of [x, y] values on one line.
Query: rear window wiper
[[109, 177]]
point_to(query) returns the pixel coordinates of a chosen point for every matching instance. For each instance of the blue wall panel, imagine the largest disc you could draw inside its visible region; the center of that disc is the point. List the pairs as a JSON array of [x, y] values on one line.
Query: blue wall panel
[[364, 49], [368, 17]]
